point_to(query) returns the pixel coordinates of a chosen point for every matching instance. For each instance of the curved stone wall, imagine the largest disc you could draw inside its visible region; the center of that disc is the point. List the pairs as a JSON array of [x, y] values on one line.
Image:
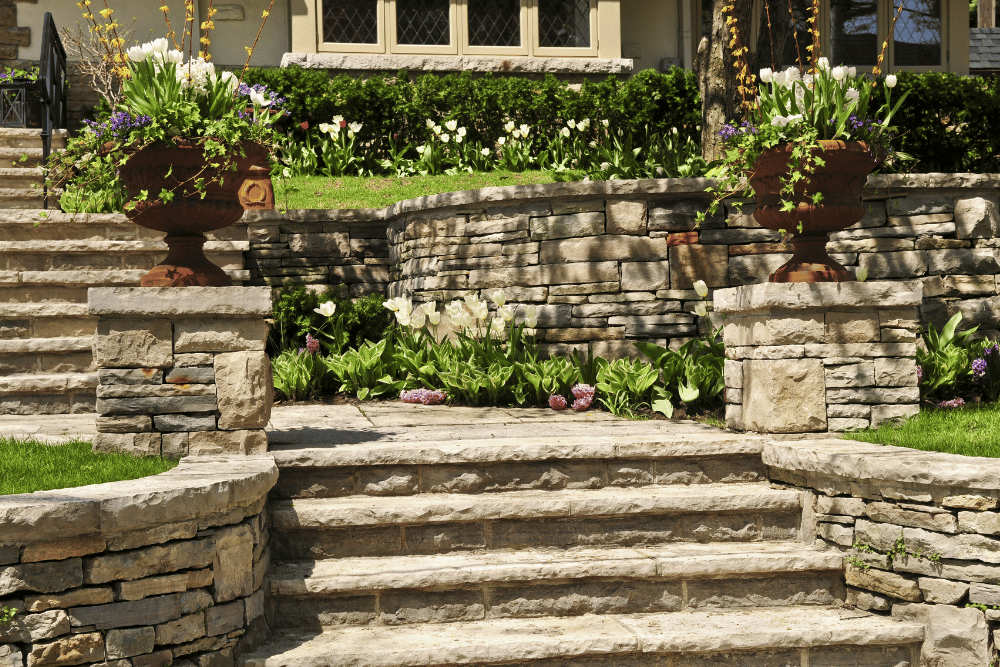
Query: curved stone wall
[[147, 573]]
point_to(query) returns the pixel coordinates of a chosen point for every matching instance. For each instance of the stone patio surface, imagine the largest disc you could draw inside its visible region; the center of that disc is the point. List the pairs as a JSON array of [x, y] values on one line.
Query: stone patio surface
[[318, 425]]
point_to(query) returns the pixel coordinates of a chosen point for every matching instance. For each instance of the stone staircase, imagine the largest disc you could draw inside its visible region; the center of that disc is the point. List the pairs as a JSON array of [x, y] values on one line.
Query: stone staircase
[[48, 260], [670, 550]]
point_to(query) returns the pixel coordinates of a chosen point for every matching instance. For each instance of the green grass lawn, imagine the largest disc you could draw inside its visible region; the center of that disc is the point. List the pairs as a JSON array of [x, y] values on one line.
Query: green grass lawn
[[377, 192], [27, 465], [971, 431]]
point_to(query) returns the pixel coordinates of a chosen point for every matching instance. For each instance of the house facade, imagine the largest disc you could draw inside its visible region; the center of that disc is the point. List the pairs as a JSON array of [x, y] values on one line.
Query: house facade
[[527, 36]]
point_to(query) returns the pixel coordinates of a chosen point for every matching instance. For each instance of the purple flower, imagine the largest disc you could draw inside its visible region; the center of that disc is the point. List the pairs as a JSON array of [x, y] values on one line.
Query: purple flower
[[312, 344], [583, 391], [953, 403], [557, 402], [920, 374], [582, 403], [978, 368], [424, 396]]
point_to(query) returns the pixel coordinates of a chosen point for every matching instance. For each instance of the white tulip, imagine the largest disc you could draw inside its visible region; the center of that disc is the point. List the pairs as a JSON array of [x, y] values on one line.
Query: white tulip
[[499, 297], [136, 54], [506, 313], [356, 127], [486, 151], [516, 134], [436, 129], [605, 122], [445, 138], [823, 63], [462, 131], [838, 72], [778, 78], [701, 288], [429, 307], [571, 123], [890, 80], [452, 125], [434, 318], [565, 131], [701, 310], [258, 99], [326, 309], [852, 95], [766, 75], [531, 316], [501, 141], [430, 123], [524, 130], [509, 126], [159, 45], [852, 72], [861, 273]]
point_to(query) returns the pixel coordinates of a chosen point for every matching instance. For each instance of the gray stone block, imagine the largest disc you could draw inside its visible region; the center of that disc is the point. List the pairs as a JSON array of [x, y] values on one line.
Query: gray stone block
[[113, 376], [182, 422], [224, 618], [127, 642], [125, 424], [191, 375], [567, 226], [151, 406], [920, 205], [151, 611], [976, 217], [245, 389], [903, 264]]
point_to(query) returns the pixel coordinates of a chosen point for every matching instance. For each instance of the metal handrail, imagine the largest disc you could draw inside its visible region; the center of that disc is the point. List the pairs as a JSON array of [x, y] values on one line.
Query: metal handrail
[[51, 89]]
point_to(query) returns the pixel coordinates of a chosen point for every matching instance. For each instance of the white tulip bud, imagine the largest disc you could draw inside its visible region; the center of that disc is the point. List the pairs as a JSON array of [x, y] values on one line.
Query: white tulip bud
[[890, 80]]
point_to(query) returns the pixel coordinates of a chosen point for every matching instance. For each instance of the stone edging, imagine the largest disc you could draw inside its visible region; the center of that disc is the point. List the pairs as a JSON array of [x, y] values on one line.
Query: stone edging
[[375, 62], [206, 491]]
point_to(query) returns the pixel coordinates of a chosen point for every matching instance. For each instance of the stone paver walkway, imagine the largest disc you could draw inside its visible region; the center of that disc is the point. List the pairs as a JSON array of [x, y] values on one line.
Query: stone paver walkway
[[330, 425]]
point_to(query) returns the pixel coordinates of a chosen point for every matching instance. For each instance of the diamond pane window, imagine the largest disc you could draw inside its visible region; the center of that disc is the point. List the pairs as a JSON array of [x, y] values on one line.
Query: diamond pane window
[[917, 37], [423, 22], [854, 32], [494, 22], [350, 21], [564, 23]]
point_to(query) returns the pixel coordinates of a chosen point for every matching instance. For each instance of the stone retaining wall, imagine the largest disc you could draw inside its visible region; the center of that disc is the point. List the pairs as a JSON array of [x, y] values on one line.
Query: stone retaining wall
[[611, 262], [920, 532], [165, 570]]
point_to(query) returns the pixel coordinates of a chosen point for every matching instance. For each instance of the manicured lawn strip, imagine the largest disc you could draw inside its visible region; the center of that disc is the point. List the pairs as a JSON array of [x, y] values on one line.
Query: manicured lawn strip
[[970, 431], [28, 465], [321, 192]]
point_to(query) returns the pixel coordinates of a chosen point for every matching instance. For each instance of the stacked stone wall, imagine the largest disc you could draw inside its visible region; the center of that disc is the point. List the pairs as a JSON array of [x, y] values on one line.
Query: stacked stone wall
[[920, 532], [166, 570], [612, 262]]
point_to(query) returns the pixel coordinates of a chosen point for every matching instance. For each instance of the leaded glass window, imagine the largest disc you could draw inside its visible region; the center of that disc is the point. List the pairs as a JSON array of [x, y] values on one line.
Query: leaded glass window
[[854, 32], [350, 21], [424, 22], [917, 36], [564, 23], [494, 22]]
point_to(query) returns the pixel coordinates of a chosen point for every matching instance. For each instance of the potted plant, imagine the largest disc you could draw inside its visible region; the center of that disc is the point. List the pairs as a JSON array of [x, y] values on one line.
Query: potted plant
[[180, 145], [20, 103], [806, 147]]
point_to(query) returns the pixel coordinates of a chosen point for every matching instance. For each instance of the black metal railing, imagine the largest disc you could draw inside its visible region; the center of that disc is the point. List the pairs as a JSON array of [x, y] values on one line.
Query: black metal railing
[[50, 89]]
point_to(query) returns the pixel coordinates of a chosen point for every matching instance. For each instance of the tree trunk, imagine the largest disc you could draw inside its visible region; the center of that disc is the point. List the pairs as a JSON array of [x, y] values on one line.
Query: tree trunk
[[771, 47], [720, 99]]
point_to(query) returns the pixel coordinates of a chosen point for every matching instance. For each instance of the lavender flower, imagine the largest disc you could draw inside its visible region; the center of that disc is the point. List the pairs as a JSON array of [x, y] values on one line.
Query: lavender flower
[[312, 344], [953, 403], [119, 126], [557, 402], [978, 369], [424, 396]]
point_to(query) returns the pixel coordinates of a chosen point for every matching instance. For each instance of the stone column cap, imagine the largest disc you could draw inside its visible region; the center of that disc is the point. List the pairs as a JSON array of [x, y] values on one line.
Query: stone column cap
[[183, 301], [792, 296]]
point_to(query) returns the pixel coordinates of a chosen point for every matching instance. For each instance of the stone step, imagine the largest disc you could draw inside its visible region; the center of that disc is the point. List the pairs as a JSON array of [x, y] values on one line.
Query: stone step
[[20, 157], [720, 638], [46, 355], [42, 286], [45, 320], [438, 523], [21, 178], [13, 137], [509, 464], [55, 393], [37, 225], [27, 197], [552, 582], [98, 254]]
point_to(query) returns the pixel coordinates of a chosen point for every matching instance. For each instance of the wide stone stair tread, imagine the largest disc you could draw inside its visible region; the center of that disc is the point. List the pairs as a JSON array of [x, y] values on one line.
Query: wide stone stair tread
[[16, 137], [109, 247], [87, 278], [45, 310], [521, 449], [42, 383], [616, 637], [319, 513], [343, 576]]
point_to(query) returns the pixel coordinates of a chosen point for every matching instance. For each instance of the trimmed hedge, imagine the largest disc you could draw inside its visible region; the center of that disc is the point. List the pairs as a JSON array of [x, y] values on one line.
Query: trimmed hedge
[[400, 106]]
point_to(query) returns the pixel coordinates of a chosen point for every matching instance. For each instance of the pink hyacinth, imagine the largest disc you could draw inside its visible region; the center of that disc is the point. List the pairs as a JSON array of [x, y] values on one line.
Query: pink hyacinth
[[582, 403], [953, 403], [425, 396], [312, 344], [557, 402], [583, 391]]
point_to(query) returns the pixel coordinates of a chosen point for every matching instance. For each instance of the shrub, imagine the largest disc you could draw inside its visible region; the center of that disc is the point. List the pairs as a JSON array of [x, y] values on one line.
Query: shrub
[[295, 316]]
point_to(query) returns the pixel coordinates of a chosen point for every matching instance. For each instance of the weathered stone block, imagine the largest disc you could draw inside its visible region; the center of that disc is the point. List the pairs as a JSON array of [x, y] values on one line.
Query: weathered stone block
[[219, 335], [150, 611], [233, 563], [733, 373], [968, 261], [778, 329], [245, 389], [626, 217], [976, 217], [953, 637], [645, 275], [959, 286], [41, 577], [843, 506], [132, 565], [942, 521], [849, 411], [903, 264], [127, 642], [124, 424], [174, 445], [191, 375], [155, 405], [920, 205], [155, 391], [895, 372], [680, 217], [545, 274], [211, 443], [72, 650], [942, 591], [183, 630], [602, 248], [178, 422], [35, 627], [866, 601], [134, 343], [971, 502], [887, 583], [137, 444], [893, 413], [224, 618], [112, 376], [144, 588], [784, 395], [850, 375], [318, 244], [567, 226], [839, 425], [984, 523], [852, 327], [689, 263]]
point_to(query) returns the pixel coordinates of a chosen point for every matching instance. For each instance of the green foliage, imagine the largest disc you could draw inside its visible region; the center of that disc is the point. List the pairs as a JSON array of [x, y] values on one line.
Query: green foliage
[[7, 615], [295, 315], [693, 372], [946, 361], [368, 371], [299, 375]]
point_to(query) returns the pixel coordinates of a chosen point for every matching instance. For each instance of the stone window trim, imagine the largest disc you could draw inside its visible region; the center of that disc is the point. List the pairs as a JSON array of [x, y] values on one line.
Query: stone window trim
[[459, 43]]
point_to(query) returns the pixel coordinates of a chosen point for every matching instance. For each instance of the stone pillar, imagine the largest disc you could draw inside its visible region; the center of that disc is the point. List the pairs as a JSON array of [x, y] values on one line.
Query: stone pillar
[[182, 370], [807, 357]]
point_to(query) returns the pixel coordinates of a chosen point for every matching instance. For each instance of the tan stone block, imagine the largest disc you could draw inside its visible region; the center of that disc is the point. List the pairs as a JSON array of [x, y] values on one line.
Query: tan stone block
[[545, 274], [899, 318], [602, 248], [199, 578], [689, 263], [585, 334], [893, 413], [76, 598], [233, 567], [895, 372], [245, 389], [645, 275], [144, 588], [887, 583], [971, 502], [569, 226], [773, 330], [83, 545], [34, 627], [183, 630], [137, 444], [211, 443], [852, 328], [850, 375], [626, 217], [134, 343], [72, 650], [219, 335], [784, 395]]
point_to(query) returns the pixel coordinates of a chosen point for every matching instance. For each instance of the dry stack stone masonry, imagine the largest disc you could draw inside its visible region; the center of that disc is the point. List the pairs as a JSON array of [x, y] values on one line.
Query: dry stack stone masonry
[[182, 370], [804, 357]]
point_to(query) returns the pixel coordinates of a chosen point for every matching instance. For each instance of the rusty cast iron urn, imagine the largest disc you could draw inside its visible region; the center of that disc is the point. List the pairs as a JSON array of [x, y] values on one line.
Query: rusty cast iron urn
[[187, 216], [841, 181]]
